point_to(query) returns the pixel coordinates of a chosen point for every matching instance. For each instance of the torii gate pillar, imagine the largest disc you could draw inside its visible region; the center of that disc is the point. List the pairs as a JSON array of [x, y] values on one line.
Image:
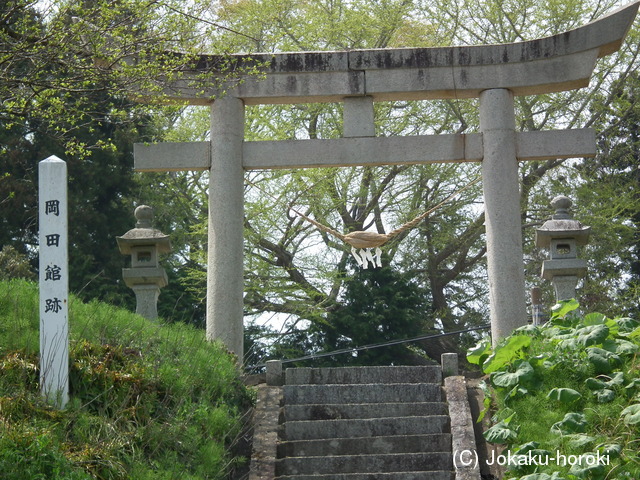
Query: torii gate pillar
[[226, 212], [500, 185]]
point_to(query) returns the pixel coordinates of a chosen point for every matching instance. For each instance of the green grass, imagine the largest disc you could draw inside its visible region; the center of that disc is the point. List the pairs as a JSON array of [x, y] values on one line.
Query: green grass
[[147, 401], [528, 415]]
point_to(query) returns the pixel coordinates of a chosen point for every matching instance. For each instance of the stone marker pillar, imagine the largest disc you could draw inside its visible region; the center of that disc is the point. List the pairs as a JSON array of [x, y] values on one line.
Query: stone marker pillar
[[54, 281], [145, 277], [500, 183], [226, 223]]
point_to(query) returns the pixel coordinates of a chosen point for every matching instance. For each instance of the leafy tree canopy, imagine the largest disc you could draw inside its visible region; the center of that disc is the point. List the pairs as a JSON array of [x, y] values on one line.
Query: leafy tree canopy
[[69, 74], [57, 57]]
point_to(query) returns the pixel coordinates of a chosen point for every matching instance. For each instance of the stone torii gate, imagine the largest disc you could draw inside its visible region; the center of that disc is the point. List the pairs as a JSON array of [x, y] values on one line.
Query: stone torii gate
[[494, 73]]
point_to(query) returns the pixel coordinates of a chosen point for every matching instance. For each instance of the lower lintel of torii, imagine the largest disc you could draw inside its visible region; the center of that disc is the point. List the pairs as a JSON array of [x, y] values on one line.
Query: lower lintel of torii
[[360, 151]]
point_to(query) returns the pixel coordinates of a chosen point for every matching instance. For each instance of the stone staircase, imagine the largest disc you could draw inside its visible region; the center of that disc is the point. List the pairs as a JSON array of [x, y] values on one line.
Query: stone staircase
[[364, 422], [357, 423]]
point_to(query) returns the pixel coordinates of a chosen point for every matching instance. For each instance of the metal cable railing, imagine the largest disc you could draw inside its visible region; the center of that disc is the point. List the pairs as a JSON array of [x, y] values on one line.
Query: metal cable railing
[[314, 356]]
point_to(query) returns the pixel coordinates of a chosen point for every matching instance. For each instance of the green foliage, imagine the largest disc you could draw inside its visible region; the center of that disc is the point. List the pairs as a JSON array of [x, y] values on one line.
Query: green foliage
[[479, 353], [69, 72], [523, 375], [34, 454], [571, 423], [506, 353], [13, 264], [99, 157], [542, 476], [501, 432], [572, 387], [564, 395], [601, 360], [609, 192], [631, 414], [147, 400], [379, 305], [58, 56]]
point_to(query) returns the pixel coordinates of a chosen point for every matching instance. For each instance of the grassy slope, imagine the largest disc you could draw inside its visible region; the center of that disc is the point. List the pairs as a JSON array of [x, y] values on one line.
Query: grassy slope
[[147, 401], [570, 387]]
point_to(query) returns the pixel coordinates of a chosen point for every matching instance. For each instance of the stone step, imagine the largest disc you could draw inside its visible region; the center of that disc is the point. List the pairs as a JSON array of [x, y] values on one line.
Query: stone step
[[360, 375], [440, 442], [366, 393], [410, 462], [434, 475], [369, 427], [364, 410]]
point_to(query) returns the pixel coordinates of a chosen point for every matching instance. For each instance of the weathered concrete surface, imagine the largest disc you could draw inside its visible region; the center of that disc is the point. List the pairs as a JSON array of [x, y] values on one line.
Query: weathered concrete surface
[[225, 282], [265, 433], [356, 151], [440, 442], [500, 185], [367, 427], [560, 62], [362, 410], [360, 375], [358, 117], [562, 235], [543, 145], [274, 374], [552, 269], [564, 286], [382, 393], [172, 156], [144, 235], [407, 439], [463, 442], [561, 227], [485, 450], [53, 223], [155, 276], [145, 244], [407, 462], [147, 299], [449, 362]]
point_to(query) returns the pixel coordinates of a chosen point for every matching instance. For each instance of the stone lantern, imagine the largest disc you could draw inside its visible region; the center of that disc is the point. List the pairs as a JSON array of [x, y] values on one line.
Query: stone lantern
[[561, 235], [145, 244]]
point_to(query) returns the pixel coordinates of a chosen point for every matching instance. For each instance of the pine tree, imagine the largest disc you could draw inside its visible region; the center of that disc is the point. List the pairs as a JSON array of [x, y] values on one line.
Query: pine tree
[[378, 306]]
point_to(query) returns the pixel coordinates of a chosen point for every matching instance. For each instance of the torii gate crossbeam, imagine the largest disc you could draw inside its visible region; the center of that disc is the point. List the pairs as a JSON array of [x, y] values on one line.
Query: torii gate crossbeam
[[493, 73]]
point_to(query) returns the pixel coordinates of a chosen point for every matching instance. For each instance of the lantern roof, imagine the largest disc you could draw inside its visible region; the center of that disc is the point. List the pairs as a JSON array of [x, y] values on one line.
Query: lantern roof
[[144, 234], [562, 225]]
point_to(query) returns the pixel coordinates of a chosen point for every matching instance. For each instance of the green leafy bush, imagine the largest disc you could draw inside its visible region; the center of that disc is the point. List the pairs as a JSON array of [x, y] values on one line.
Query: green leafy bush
[[33, 454], [568, 388]]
